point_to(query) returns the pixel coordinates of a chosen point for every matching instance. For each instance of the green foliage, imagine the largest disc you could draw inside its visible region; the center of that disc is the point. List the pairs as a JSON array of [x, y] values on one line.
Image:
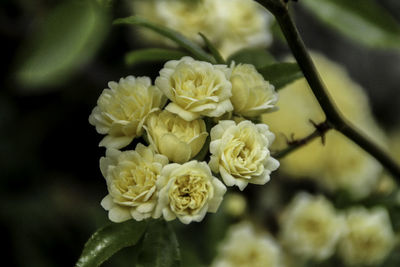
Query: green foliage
[[256, 56], [175, 36], [160, 246], [214, 51], [152, 55], [281, 74], [109, 240], [364, 21], [67, 38]]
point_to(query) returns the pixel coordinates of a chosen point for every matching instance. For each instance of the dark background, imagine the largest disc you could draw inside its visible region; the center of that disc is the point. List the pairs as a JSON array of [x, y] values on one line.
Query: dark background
[[50, 182]]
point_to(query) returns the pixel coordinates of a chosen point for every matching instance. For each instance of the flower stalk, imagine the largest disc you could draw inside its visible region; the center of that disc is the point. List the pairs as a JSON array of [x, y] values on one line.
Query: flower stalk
[[334, 118]]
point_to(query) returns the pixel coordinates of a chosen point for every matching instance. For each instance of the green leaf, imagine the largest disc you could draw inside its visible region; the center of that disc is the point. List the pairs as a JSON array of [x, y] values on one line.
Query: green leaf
[[67, 38], [281, 74], [257, 57], [214, 51], [160, 246], [363, 21], [152, 55], [110, 239], [175, 36]]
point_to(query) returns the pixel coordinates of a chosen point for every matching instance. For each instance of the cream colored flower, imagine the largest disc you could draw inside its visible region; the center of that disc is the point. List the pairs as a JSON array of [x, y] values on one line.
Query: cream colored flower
[[251, 94], [340, 164], [370, 237], [245, 247], [230, 24], [174, 137], [188, 191], [122, 110], [131, 180], [187, 17], [239, 24], [310, 227], [239, 152], [196, 88]]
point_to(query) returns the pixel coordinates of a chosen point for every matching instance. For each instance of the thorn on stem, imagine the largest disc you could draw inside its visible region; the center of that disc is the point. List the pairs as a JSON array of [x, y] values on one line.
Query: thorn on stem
[[322, 128]]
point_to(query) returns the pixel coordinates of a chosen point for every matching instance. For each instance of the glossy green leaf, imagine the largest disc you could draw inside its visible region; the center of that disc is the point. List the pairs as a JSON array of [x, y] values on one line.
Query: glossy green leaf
[[152, 55], [67, 38], [109, 240], [364, 21], [160, 246], [175, 36], [214, 51], [256, 56], [281, 74]]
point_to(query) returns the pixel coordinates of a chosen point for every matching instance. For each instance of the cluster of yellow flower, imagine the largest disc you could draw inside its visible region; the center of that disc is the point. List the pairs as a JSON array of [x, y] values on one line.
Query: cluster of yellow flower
[[163, 179], [230, 24], [311, 229]]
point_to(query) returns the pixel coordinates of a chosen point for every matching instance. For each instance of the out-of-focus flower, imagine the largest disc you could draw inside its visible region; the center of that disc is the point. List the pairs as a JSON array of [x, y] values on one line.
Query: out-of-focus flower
[[174, 137], [244, 246], [187, 17], [188, 191], [131, 180], [122, 110], [239, 152], [230, 24], [251, 94], [340, 164], [196, 88], [235, 204], [242, 24], [369, 239], [310, 227]]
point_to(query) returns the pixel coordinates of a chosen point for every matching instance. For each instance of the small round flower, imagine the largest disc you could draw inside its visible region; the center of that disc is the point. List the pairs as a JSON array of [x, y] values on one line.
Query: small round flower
[[188, 191], [369, 239], [310, 227], [245, 247], [239, 152], [122, 110], [174, 137], [251, 94], [131, 181], [235, 204], [196, 88]]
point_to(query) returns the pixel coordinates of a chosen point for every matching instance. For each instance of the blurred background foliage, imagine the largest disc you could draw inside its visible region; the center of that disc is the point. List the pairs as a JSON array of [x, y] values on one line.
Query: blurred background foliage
[[57, 57]]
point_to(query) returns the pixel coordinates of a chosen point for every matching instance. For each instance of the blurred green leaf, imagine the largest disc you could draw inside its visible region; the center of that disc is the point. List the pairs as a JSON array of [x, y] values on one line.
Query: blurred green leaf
[[256, 56], [281, 74], [160, 246], [214, 51], [110, 239], [152, 55], [67, 38], [363, 21], [175, 36]]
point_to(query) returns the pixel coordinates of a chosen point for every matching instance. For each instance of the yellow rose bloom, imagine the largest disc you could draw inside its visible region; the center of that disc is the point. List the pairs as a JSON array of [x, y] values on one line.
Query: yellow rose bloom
[[174, 137], [196, 88], [188, 191], [240, 153], [239, 24], [340, 164], [310, 227], [187, 17], [245, 247], [122, 109], [131, 181], [369, 239], [251, 94]]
